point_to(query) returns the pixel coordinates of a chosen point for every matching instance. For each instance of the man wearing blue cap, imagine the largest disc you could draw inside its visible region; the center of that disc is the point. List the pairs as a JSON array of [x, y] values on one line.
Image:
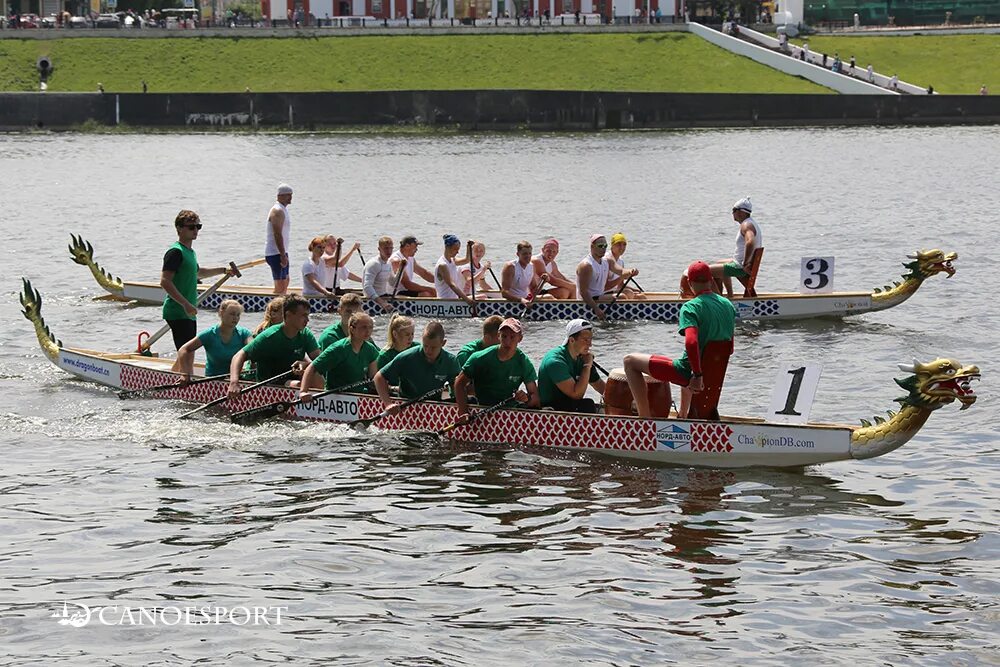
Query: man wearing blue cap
[[567, 370], [447, 282]]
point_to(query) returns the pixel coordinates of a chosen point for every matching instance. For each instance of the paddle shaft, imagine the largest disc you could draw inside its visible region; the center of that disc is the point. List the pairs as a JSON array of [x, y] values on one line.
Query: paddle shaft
[[361, 257], [541, 283], [600, 368], [472, 272], [175, 385], [247, 265], [272, 409], [636, 283], [476, 415], [336, 266], [495, 279], [365, 423], [201, 297], [279, 376], [399, 276]]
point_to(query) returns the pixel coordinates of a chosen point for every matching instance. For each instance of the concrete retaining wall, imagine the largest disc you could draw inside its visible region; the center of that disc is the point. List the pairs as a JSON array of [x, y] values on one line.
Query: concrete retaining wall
[[485, 109], [782, 63]]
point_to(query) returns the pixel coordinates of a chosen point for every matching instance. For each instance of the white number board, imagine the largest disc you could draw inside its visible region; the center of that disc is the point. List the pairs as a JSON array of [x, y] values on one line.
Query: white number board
[[794, 391], [816, 275]]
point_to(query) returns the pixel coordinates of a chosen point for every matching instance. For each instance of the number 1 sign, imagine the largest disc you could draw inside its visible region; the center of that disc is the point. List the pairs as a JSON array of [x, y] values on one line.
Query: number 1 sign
[[816, 275], [794, 391]]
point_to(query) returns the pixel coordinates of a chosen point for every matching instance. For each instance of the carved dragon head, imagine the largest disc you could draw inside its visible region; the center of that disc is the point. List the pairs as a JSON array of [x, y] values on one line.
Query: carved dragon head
[[926, 263], [83, 253], [31, 301], [938, 383]]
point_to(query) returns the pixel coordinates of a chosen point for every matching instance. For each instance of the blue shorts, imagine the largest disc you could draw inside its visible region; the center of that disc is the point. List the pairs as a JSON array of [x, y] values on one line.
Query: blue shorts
[[278, 272]]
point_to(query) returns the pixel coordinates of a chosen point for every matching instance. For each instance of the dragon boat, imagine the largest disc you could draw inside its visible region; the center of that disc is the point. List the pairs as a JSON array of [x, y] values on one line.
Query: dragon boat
[[730, 442], [657, 306]]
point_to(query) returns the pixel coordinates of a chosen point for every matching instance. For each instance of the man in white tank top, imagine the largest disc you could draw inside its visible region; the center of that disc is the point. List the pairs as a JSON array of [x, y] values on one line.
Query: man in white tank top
[[518, 280], [545, 267], [407, 286], [594, 281], [446, 276], [279, 224], [748, 240]]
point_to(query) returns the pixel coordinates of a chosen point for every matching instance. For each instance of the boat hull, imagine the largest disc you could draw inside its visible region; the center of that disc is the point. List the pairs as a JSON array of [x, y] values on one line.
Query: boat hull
[[763, 307], [732, 443]]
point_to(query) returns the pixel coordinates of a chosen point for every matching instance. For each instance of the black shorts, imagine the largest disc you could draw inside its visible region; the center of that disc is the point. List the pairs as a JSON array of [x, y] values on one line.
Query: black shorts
[[564, 403], [407, 292], [183, 331]]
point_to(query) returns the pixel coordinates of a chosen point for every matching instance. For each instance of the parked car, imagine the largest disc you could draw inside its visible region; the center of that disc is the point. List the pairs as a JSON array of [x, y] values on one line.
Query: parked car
[[107, 21], [50, 21], [77, 22], [30, 21]]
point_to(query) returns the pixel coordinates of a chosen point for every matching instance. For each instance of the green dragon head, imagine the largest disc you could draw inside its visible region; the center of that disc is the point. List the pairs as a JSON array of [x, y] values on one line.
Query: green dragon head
[[938, 383], [926, 263]]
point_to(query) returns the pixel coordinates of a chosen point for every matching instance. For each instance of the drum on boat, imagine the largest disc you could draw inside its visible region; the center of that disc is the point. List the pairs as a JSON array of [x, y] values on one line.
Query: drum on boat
[[618, 396]]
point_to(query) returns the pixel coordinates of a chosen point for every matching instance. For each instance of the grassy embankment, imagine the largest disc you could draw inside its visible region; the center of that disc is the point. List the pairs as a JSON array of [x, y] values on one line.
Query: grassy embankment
[[955, 64], [667, 62]]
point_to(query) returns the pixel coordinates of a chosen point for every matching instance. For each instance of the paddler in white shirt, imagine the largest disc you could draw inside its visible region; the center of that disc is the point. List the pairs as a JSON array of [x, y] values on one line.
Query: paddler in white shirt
[[447, 280]]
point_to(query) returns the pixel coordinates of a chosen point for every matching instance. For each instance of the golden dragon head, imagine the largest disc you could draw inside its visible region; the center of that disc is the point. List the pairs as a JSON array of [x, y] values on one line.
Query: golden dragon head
[[938, 383], [83, 253], [31, 301], [926, 263]]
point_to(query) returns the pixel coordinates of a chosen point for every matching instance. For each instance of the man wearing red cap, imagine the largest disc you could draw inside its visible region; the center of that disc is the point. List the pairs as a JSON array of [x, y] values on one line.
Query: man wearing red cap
[[498, 373], [706, 318]]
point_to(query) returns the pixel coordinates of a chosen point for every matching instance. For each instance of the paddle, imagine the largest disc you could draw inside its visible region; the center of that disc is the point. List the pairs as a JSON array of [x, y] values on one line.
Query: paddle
[[365, 423], [468, 252], [541, 283], [174, 385], [247, 265], [495, 279], [254, 415], [600, 368], [636, 283], [399, 276], [476, 415], [336, 265], [361, 257], [143, 348], [280, 376]]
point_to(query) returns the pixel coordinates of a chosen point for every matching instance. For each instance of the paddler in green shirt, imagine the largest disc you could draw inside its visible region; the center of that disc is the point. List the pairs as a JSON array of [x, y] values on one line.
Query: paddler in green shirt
[[179, 279], [418, 370], [498, 373], [346, 362], [349, 304], [567, 371], [491, 337], [278, 348], [400, 339]]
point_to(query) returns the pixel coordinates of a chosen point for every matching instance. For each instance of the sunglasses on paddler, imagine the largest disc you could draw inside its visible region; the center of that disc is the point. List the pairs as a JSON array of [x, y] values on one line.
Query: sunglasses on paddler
[[196, 225]]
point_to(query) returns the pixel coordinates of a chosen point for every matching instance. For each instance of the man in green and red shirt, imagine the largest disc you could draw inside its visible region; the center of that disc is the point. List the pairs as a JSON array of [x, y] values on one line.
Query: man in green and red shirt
[[706, 318], [179, 279]]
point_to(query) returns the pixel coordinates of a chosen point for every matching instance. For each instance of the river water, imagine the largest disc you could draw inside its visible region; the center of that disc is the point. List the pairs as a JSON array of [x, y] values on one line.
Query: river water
[[389, 550]]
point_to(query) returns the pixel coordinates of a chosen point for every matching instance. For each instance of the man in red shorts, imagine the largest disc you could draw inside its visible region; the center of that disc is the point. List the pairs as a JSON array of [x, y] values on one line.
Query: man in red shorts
[[706, 318]]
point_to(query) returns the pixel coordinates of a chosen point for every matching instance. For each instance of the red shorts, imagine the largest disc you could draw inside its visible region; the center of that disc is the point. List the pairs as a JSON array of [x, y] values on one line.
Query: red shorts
[[662, 368]]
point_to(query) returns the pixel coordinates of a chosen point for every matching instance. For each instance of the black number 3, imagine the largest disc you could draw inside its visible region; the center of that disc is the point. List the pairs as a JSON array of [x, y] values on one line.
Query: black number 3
[[817, 267]]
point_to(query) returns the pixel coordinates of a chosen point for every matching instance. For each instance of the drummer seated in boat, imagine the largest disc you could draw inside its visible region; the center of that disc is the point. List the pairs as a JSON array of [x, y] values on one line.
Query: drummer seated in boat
[[498, 373], [748, 240], [558, 285], [348, 361], [566, 372], [349, 304], [706, 318], [279, 348], [418, 370], [447, 280], [221, 343], [518, 280], [405, 258], [594, 281]]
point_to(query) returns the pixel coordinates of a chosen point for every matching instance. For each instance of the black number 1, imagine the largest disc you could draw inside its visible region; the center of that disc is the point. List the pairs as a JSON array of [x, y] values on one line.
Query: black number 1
[[793, 392]]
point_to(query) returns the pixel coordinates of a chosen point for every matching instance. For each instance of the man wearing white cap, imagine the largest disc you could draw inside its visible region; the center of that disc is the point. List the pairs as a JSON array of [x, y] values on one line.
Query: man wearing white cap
[[567, 370], [279, 224], [747, 242]]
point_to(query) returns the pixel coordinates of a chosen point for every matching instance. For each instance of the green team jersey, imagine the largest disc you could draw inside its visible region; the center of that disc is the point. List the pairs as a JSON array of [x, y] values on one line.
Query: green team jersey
[[341, 365], [273, 352], [715, 318], [385, 356], [468, 350], [497, 380], [557, 365], [186, 281], [331, 335], [416, 376]]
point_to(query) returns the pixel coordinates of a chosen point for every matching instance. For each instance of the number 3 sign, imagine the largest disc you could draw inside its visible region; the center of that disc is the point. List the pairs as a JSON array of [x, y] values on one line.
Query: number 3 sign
[[794, 391], [817, 275]]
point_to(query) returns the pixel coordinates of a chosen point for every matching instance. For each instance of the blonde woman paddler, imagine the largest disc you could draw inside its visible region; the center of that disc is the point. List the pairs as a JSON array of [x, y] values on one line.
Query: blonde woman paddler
[[221, 343], [401, 330]]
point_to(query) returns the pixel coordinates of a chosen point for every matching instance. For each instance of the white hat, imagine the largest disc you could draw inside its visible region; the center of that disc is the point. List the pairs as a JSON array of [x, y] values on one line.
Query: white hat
[[744, 205], [576, 326], [284, 189]]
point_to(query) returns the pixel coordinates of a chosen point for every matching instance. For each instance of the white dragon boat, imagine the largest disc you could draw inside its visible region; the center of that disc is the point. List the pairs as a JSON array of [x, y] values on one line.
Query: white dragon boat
[[657, 306], [730, 442]]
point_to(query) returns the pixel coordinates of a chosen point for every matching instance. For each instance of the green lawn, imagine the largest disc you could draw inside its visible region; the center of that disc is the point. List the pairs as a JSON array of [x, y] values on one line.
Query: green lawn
[[957, 64], [666, 62]]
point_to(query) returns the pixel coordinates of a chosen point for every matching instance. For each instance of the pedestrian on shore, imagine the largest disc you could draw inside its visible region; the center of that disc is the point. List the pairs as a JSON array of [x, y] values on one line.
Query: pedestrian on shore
[[871, 73], [983, 90], [894, 83]]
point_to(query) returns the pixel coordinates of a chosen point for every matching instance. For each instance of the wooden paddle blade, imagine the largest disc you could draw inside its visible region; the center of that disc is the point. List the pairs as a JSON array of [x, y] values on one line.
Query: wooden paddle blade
[[256, 415]]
